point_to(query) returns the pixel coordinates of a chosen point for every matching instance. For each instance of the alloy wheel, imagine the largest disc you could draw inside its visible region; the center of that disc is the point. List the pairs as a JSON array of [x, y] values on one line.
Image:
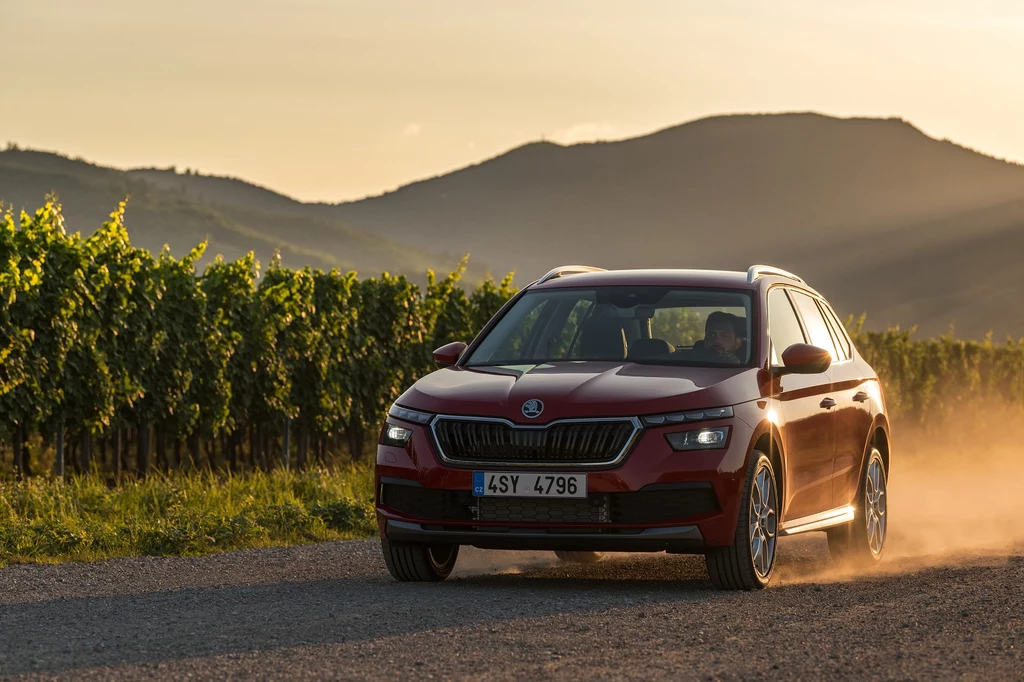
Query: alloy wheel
[[763, 521], [875, 505]]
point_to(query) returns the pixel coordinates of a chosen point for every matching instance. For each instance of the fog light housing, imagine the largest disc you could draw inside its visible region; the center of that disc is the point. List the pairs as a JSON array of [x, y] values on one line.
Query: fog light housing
[[711, 438], [396, 436]]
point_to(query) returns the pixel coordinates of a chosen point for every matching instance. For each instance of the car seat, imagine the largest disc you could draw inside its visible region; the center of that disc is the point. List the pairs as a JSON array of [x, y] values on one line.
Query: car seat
[[644, 349], [602, 338]]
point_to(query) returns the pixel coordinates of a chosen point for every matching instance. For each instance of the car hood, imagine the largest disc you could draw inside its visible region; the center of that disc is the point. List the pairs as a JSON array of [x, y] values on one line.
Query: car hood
[[579, 389]]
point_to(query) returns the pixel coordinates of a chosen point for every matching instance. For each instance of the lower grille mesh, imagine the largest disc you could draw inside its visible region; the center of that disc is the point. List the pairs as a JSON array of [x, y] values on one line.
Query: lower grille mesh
[[659, 504]]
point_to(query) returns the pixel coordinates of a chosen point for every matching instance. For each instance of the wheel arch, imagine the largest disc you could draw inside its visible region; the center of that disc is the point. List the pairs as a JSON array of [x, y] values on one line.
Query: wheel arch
[[878, 437], [768, 440]]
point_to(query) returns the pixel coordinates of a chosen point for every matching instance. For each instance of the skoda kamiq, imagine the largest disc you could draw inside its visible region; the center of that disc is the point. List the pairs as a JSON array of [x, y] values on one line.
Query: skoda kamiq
[[679, 411]]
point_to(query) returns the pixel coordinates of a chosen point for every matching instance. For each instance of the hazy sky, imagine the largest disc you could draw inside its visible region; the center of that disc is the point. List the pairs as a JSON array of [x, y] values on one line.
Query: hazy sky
[[336, 99]]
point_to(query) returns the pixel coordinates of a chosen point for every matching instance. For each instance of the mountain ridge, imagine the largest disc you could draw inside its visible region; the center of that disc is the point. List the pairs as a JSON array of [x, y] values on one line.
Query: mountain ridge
[[866, 209]]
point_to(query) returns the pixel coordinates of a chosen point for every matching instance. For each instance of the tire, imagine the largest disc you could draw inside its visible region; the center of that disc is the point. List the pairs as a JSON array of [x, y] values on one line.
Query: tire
[[578, 557], [861, 542], [419, 563], [749, 563]]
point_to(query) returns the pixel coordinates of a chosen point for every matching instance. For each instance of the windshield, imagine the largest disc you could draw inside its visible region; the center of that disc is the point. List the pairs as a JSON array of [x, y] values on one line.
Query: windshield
[[659, 325]]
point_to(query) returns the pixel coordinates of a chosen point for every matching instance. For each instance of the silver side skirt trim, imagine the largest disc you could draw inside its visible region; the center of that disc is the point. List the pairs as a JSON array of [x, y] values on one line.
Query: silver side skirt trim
[[827, 519]]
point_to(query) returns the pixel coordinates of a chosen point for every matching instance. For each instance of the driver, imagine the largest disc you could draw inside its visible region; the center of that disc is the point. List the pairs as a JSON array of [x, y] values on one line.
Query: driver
[[723, 335]]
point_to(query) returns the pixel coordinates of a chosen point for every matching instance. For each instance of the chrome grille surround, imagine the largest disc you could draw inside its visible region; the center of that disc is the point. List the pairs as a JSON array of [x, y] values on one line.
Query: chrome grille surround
[[538, 433]]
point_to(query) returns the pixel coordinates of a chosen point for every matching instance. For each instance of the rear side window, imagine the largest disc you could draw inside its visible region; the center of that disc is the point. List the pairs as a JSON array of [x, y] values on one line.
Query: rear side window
[[815, 324], [842, 339], [783, 325]]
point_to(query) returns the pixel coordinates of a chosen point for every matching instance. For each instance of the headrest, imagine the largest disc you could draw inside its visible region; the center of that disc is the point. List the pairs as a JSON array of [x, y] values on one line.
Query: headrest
[[602, 338], [650, 348]]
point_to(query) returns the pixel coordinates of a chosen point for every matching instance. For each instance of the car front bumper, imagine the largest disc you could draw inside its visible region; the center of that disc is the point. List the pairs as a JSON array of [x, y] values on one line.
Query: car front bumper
[[652, 468]]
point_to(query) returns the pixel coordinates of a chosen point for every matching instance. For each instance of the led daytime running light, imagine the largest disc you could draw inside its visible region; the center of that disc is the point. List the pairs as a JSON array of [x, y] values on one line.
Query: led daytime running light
[[399, 412], [683, 417]]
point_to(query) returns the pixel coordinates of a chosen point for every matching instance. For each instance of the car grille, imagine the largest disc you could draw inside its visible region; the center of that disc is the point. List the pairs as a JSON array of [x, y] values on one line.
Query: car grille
[[576, 442], [656, 504]]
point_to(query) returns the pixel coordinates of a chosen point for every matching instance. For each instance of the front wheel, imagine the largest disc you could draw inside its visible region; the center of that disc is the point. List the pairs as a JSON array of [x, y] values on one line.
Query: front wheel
[[419, 563], [748, 563], [861, 541]]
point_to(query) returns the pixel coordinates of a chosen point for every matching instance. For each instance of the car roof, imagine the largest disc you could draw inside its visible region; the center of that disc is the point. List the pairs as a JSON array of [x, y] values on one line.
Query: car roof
[[651, 277], [724, 279]]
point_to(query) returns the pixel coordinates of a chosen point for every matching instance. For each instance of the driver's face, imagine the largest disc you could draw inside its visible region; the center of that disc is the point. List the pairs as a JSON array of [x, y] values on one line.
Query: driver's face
[[722, 338]]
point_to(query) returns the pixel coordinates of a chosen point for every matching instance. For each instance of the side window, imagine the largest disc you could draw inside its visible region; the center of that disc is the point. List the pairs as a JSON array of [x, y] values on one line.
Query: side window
[[815, 323], [783, 325], [841, 337]]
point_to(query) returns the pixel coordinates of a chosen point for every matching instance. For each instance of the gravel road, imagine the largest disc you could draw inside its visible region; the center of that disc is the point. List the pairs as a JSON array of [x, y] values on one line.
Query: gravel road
[[331, 611]]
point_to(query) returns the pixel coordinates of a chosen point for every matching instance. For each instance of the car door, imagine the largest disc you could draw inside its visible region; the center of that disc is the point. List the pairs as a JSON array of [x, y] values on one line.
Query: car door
[[834, 393], [852, 389], [806, 425]]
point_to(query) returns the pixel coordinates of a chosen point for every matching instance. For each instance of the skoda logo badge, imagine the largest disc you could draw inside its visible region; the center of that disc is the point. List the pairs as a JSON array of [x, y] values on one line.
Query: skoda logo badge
[[532, 408]]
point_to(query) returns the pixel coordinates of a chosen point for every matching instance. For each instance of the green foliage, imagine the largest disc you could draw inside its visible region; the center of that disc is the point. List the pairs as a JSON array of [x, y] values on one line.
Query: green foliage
[[115, 346], [926, 382], [217, 371]]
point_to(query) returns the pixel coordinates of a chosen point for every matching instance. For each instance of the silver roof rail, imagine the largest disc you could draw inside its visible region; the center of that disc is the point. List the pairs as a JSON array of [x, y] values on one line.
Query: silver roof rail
[[757, 271], [566, 270]]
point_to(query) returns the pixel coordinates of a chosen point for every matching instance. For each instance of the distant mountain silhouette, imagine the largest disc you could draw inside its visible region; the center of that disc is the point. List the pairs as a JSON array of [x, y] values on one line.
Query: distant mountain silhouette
[[180, 210], [879, 216], [875, 214]]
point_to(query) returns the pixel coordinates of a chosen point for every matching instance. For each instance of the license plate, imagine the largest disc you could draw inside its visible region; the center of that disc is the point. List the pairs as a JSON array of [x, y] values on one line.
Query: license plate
[[506, 484]]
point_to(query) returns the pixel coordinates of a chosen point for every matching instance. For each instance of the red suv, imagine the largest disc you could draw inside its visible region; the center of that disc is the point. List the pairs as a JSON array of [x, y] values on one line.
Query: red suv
[[684, 411]]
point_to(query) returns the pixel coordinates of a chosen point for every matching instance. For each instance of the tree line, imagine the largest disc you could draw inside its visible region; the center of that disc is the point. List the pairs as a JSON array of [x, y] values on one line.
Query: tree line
[[115, 359], [111, 357]]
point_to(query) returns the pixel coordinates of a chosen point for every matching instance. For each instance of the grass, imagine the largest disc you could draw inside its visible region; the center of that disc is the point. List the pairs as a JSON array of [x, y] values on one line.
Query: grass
[[82, 519]]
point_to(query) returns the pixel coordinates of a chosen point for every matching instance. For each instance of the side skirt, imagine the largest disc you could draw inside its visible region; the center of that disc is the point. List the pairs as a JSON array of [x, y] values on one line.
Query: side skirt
[[826, 519]]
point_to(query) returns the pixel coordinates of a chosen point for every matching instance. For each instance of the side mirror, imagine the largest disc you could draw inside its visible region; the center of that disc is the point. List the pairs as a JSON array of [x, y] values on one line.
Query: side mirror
[[449, 354], [802, 358]]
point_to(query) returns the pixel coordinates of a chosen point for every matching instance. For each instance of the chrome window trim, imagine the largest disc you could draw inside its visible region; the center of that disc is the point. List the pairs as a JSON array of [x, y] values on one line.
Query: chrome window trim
[[462, 463]]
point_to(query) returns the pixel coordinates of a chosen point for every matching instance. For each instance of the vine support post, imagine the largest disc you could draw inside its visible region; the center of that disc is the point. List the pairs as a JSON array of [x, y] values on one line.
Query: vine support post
[[286, 442], [119, 438], [58, 465]]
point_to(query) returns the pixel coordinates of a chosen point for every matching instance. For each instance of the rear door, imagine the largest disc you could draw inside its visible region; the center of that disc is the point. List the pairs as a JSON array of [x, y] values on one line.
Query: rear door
[[806, 426]]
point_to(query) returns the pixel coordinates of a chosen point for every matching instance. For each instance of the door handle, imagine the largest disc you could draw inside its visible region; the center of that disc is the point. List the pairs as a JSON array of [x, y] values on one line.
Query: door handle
[[860, 396], [828, 404]]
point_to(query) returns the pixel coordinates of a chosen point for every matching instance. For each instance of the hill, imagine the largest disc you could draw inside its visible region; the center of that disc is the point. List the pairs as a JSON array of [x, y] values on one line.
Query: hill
[[876, 214], [236, 217]]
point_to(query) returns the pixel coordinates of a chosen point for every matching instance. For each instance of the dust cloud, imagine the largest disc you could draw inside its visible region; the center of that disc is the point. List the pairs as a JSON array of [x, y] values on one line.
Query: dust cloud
[[958, 492], [955, 495], [473, 562]]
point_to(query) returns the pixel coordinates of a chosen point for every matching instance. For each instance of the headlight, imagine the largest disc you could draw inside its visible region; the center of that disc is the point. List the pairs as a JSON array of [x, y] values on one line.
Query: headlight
[[396, 436], [408, 415], [682, 417], [713, 438]]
